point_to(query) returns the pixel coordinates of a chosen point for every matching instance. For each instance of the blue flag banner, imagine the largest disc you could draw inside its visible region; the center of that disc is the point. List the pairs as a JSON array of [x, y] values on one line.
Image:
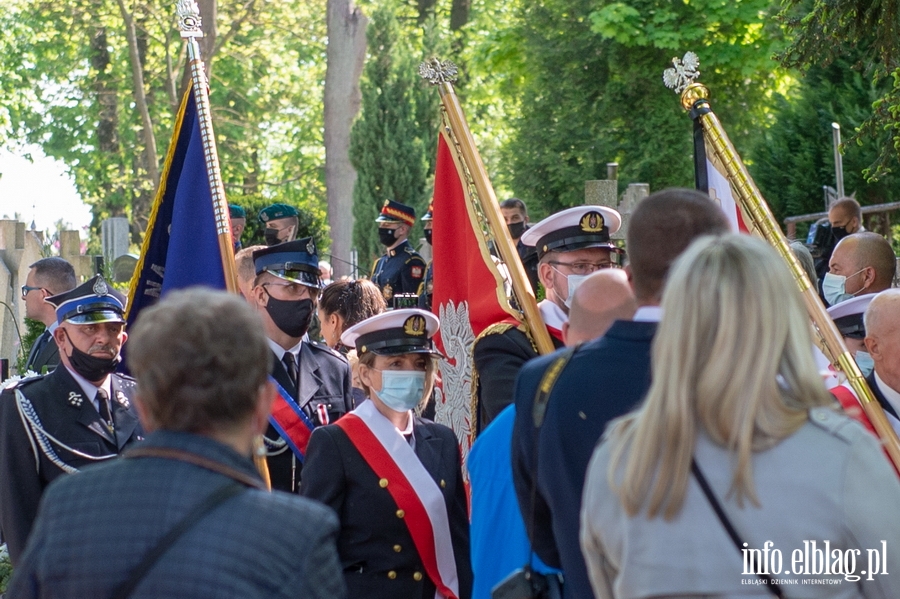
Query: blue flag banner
[[181, 247]]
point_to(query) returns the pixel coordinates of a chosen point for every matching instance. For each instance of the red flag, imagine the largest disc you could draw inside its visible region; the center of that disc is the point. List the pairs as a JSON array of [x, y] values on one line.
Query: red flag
[[469, 289]]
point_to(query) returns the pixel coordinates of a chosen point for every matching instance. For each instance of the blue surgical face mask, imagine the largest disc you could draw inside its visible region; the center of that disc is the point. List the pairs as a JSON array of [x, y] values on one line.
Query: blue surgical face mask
[[834, 288], [401, 390], [865, 362], [573, 281]]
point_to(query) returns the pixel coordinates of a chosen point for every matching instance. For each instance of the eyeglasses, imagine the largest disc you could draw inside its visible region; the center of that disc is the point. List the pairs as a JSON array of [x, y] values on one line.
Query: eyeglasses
[[584, 268], [291, 290], [27, 288]]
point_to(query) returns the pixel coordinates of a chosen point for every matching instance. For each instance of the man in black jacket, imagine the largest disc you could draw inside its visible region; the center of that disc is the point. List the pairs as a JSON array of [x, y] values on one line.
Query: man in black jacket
[[79, 414], [48, 276], [313, 378]]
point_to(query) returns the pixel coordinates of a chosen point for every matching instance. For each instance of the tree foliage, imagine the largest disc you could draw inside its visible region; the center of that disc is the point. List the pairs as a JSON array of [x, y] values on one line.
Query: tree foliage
[[393, 142], [592, 90], [825, 30], [794, 159], [67, 85]]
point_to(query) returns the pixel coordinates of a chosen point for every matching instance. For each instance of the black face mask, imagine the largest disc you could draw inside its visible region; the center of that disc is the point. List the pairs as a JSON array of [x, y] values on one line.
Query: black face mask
[[292, 317], [516, 229], [91, 367], [428, 236], [386, 236], [271, 236], [839, 232]]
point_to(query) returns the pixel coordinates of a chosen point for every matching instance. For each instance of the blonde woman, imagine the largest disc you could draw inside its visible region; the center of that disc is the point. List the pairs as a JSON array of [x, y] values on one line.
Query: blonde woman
[[736, 392]]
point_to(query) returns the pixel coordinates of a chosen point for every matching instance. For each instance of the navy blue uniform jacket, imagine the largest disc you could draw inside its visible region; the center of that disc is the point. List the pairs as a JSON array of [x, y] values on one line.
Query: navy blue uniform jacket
[[605, 379], [375, 547], [94, 528], [324, 379], [67, 415], [400, 270]]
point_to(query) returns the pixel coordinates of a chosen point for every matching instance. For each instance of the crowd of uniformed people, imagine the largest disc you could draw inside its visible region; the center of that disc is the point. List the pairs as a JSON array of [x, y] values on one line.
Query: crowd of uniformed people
[[588, 477]]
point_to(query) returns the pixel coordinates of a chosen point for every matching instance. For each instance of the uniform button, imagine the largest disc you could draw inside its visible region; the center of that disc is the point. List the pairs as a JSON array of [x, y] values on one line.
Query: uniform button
[[392, 575], [417, 576], [443, 483], [398, 548], [400, 513], [383, 483]]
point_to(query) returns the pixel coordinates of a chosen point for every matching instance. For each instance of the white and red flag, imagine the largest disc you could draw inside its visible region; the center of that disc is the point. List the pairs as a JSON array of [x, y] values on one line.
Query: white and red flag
[[470, 290]]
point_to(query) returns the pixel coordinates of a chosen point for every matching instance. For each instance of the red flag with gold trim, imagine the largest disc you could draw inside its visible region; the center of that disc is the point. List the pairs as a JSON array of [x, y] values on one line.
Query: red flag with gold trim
[[470, 291]]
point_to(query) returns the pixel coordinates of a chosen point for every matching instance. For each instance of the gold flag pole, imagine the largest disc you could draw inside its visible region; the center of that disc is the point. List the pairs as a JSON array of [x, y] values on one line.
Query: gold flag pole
[[189, 24], [694, 98], [442, 74]]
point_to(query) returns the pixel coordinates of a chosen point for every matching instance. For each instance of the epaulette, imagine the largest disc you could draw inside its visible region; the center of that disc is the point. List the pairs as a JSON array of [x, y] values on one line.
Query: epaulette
[[125, 377], [322, 347], [832, 421], [15, 382], [499, 328]]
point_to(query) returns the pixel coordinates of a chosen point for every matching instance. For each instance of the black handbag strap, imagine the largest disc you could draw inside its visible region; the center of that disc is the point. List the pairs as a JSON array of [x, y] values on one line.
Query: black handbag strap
[[217, 497], [729, 528]]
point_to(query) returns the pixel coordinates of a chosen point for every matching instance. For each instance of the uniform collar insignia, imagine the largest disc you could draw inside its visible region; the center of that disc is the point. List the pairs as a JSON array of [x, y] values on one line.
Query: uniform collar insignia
[[75, 399], [121, 398]]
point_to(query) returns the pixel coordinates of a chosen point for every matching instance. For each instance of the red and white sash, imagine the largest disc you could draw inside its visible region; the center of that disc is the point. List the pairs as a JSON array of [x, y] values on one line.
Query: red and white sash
[[390, 456]]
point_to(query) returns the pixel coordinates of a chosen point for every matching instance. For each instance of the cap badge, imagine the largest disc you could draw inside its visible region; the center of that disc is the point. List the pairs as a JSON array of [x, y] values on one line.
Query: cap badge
[[311, 246], [414, 326], [386, 203], [592, 222], [100, 287]]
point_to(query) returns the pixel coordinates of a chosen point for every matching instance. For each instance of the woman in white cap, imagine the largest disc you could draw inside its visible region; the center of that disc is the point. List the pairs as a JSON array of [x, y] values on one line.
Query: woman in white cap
[[394, 479]]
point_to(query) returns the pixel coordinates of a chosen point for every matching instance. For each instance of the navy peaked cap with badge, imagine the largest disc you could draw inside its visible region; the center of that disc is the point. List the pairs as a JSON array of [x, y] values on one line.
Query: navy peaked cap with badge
[[235, 211], [276, 211], [395, 212], [294, 261], [91, 302], [404, 331], [575, 228]]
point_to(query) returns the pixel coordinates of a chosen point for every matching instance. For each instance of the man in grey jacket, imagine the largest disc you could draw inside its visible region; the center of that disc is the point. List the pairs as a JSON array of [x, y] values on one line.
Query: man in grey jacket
[[201, 361]]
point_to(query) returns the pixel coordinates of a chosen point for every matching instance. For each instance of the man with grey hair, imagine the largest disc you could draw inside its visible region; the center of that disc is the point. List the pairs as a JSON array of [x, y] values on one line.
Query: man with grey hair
[[882, 322], [46, 277], [185, 514]]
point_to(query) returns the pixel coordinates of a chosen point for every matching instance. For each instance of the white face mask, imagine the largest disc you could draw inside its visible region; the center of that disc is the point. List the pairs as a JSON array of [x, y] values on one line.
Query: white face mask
[[865, 362], [834, 288], [574, 281], [401, 390]]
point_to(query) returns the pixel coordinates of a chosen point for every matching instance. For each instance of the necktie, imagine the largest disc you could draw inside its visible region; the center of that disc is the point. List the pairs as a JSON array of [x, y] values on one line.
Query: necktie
[[290, 364], [103, 408]]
